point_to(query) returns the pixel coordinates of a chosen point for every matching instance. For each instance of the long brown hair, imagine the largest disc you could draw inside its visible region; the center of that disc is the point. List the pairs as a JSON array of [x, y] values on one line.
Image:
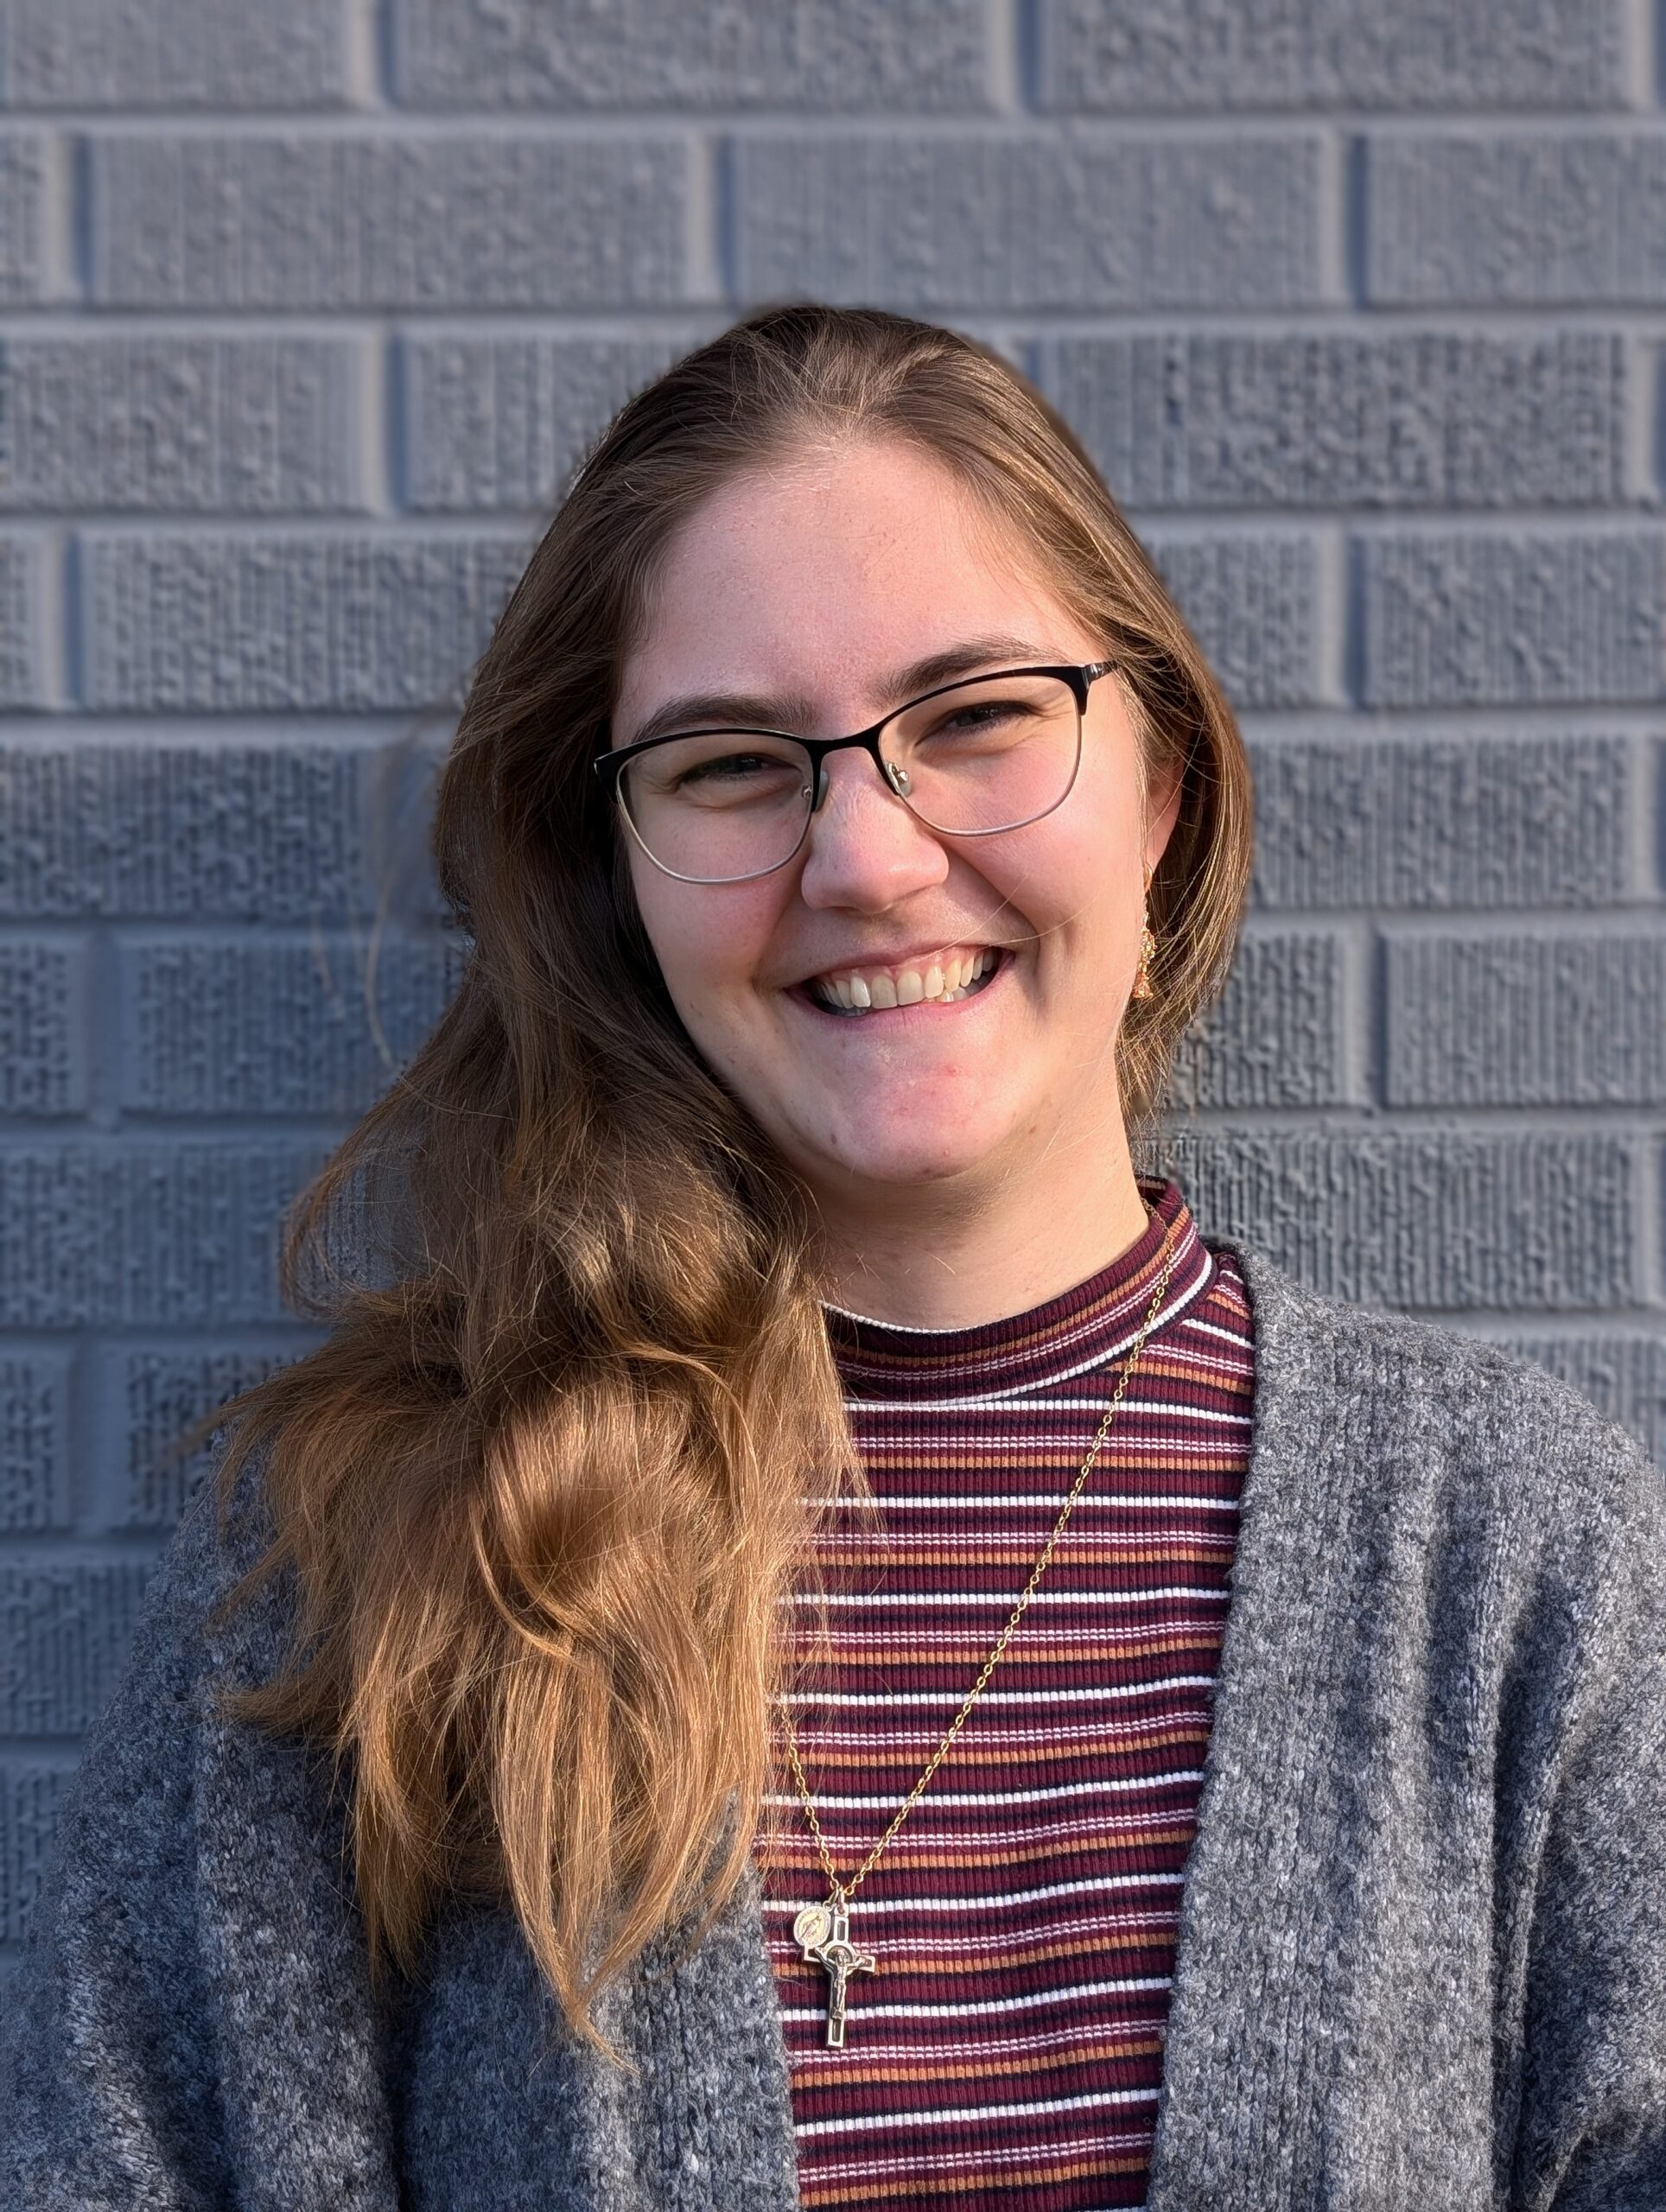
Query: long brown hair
[[541, 1490]]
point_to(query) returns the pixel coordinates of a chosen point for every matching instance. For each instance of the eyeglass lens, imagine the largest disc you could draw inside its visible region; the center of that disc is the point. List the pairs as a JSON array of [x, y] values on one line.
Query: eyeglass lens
[[988, 755]]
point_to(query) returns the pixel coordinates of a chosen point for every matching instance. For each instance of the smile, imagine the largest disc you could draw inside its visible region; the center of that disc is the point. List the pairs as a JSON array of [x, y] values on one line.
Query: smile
[[957, 972]]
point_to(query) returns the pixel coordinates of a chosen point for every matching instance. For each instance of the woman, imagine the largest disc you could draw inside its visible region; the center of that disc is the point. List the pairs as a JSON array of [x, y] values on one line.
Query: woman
[[757, 1547]]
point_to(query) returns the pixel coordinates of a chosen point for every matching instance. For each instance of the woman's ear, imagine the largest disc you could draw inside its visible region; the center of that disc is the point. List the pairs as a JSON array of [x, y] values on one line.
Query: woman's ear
[[1162, 809]]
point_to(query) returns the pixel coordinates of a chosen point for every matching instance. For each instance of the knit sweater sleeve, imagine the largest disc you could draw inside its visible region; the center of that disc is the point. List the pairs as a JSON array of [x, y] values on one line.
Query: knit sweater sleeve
[[191, 1998], [1591, 2136], [107, 2093]]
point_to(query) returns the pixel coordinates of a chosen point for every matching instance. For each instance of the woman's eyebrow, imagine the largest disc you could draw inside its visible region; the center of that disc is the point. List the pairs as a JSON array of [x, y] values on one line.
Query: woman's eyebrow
[[789, 711]]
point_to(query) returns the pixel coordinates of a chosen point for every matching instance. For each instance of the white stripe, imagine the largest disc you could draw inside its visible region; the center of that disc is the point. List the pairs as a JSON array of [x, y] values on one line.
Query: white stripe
[[951, 1698], [940, 2116], [1095, 1731], [992, 1797], [1092, 1411], [882, 1908], [1241, 1338], [992, 2007], [1042, 1596], [1087, 1503]]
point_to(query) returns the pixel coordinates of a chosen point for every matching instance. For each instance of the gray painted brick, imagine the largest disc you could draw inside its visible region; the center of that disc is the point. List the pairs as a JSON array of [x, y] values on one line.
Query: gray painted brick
[[1277, 1037], [233, 832], [23, 273], [153, 1234], [42, 1029], [291, 1027], [136, 53], [1140, 56], [1519, 218], [1544, 1221], [162, 1393], [249, 424], [1525, 1020], [34, 1487], [361, 222], [22, 646], [1624, 1376], [1434, 822], [1069, 218], [66, 1628], [1336, 419], [1253, 602], [203, 624], [1531, 617], [31, 1804], [827, 54], [499, 421]]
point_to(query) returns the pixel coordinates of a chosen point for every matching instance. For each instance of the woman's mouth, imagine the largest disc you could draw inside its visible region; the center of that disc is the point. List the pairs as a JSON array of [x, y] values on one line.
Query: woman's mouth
[[959, 973]]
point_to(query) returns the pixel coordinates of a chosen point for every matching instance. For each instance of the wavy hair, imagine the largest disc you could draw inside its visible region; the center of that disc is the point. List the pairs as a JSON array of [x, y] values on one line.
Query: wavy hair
[[542, 1491]]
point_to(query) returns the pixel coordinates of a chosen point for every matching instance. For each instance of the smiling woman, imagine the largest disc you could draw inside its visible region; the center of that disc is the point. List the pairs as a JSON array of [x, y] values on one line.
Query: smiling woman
[[860, 1659]]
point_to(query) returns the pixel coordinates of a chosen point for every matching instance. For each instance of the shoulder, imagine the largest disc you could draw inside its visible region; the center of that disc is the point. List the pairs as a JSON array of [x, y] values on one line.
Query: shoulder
[[1468, 1428], [186, 1622]]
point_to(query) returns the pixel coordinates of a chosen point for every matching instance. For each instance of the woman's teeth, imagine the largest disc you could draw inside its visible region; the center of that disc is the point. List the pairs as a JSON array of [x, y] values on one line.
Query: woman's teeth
[[957, 977]]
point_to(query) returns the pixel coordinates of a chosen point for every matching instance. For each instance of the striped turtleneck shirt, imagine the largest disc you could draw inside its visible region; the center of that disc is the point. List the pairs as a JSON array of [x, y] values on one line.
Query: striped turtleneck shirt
[[1006, 2051]]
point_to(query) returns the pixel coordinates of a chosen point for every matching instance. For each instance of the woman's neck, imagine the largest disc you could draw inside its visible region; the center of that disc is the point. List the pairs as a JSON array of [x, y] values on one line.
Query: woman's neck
[[936, 1256]]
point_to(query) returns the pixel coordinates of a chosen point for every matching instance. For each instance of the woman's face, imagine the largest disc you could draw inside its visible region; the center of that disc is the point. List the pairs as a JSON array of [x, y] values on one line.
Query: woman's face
[[810, 589]]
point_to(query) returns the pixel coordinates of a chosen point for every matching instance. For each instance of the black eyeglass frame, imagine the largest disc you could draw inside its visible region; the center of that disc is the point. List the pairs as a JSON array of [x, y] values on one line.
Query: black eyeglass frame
[[1079, 675]]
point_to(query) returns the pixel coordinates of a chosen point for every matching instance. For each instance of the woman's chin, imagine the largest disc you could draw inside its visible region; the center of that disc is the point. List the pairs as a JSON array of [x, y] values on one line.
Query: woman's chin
[[895, 1163]]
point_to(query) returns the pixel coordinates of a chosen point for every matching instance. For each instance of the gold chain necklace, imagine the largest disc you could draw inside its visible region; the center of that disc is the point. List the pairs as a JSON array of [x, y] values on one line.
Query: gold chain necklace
[[823, 1931]]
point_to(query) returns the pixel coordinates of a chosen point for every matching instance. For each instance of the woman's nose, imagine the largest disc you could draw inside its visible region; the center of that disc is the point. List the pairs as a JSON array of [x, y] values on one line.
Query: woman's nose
[[864, 848]]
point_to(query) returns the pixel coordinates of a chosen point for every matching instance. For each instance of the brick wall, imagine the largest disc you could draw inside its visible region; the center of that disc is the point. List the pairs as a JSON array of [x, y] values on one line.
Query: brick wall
[[303, 310]]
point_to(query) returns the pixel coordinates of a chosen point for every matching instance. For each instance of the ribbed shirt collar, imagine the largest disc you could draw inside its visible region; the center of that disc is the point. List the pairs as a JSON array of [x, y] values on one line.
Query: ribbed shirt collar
[[1079, 1330]]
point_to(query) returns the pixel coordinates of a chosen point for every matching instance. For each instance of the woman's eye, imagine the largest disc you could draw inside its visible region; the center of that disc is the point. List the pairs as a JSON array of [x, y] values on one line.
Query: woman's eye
[[987, 715], [730, 767]]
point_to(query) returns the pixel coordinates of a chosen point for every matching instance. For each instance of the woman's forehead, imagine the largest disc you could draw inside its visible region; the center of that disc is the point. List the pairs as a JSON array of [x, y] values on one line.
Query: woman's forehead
[[859, 561]]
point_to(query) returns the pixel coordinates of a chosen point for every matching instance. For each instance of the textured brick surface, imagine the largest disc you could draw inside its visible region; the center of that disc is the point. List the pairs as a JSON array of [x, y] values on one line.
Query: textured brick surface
[[141, 54], [1525, 1018], [254, 425], [1442, 821], [22, 644], [848, 54], [66, 1627], [1518, 217], [1142, 55], [1544, 1221], [310, 312], [31, 1799], [238, 832], [1535, 618], [42, 1026], [1624, 1376], [1278, 1036], [1252, 603], [24, 274], [1072, 219], [162, 1392], [35, 1442], [301, 1027], [1415, 419], [499, 422], [148, 1231], [446, 220], [370, 620]]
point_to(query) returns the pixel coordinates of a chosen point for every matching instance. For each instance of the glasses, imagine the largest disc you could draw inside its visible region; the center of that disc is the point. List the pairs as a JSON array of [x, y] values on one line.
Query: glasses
[[988, 754]]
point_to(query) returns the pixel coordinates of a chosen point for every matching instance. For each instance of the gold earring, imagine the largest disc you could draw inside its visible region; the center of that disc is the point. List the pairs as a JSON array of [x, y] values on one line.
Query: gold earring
[[1142, 989]]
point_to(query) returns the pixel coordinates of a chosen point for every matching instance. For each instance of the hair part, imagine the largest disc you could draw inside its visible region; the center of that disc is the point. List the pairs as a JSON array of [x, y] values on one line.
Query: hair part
[[541, 1493]]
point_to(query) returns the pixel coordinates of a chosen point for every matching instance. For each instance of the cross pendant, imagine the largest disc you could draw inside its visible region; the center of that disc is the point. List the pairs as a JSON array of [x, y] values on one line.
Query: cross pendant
[[824, 1932]]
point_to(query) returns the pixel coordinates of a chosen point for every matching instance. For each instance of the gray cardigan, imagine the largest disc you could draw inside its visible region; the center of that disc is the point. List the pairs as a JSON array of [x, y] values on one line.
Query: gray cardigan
[[1422, 1952]]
